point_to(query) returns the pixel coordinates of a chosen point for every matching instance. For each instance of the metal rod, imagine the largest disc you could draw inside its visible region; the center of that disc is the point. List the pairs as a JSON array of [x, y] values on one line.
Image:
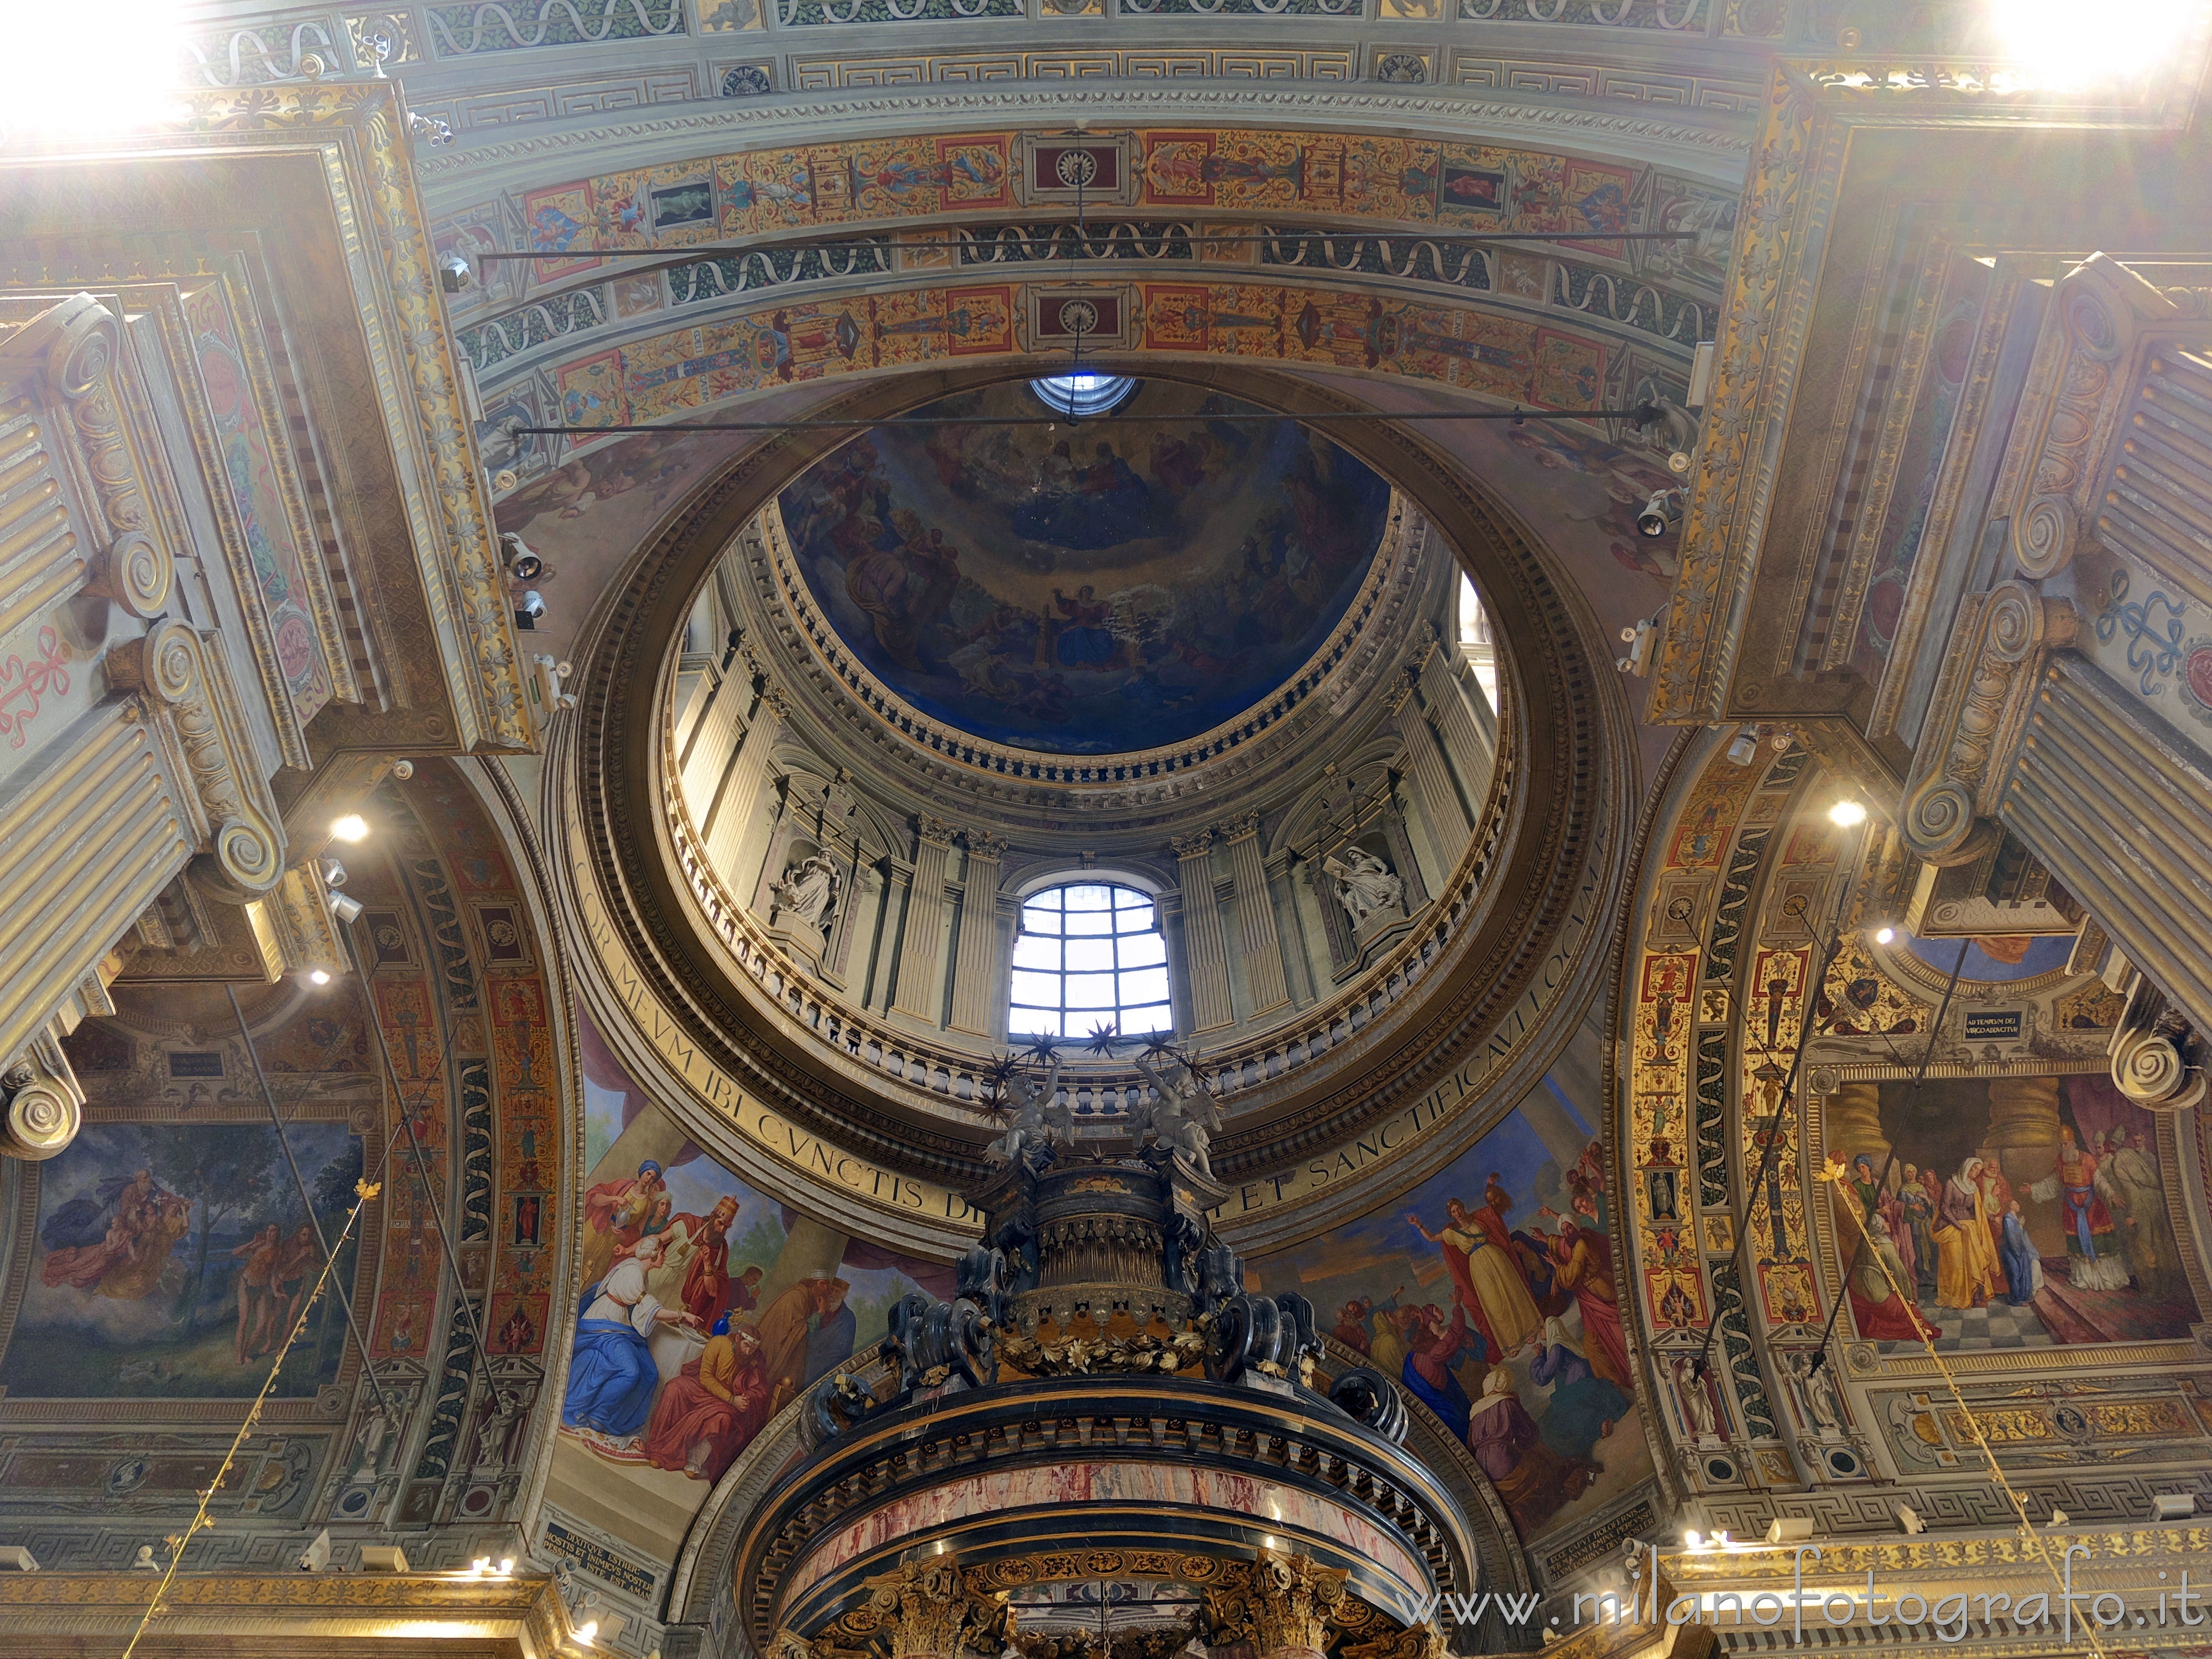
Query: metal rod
[[1881, 1180], [889, 242], [1516, 416], [1787, 1100], [268, 1099]]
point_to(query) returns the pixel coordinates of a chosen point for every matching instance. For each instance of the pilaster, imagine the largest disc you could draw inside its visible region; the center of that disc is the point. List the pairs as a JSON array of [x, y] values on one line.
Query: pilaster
[[1256, 916], [732, 812], [921, 942], [975, 970], [1204, 948]]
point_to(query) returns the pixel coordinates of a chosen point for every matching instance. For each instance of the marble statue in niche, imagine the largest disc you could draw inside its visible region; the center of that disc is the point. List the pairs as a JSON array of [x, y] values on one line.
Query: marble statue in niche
[[807, 893], [1365, 885]]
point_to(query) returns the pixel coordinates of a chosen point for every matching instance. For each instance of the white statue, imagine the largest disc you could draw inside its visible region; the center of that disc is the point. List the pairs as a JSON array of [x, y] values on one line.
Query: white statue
[[1697, 1404], [368, 1442], [1184, 1117], [1822, 1406], [1036, 1118], [807, 892], [1364, 885]]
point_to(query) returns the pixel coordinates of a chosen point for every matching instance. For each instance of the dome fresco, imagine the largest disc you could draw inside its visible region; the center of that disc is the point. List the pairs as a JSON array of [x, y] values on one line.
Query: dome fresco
[[1086, 587]]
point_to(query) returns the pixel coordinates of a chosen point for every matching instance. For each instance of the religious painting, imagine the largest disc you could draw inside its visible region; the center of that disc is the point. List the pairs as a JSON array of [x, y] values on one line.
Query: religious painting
[[2014, 1212], [171, 1262], [707, 1306], [1491, 1294], [1086, 592]]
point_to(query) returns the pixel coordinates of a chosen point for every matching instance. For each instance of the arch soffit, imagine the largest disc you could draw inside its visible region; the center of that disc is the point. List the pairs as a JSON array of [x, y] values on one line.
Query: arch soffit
[[1369, 182], [1574, 751]]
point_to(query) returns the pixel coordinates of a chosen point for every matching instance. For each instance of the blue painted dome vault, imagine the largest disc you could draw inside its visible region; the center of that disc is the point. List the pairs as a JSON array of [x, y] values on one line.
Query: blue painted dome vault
[[1092, 587]]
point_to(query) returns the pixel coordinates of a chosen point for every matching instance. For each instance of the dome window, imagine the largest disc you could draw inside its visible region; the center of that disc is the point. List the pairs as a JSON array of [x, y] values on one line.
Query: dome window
[[1089, 955], [1082, 393]]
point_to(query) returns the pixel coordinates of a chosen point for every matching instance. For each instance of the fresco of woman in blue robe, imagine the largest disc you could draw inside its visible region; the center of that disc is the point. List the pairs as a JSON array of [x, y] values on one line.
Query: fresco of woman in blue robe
[[611, 1372], [1083, 593]]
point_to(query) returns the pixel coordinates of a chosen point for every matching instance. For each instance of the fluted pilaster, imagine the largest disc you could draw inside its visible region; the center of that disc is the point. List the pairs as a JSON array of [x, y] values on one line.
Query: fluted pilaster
[[1256, 916], [1206, 952], [921, 941]]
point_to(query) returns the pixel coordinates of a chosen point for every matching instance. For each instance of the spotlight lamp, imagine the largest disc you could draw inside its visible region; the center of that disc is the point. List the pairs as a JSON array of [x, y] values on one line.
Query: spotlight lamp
[[1659, 513], [347, 910], [528, 608], [1885, 934], [334, 874], [1743, 749], [522, 564], [453, 274], [318, 976], [352, 827], [1847, 814]]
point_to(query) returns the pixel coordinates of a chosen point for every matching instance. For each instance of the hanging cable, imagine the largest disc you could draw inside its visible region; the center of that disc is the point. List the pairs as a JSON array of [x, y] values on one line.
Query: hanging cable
[[307, 1202], [1881, 1180]]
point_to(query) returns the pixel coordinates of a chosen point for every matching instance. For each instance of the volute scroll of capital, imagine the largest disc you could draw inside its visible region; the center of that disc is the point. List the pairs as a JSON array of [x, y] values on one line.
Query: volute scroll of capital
[[44, 1104], [2045, 535], [1980, 713], [243, 835], [137, 572]]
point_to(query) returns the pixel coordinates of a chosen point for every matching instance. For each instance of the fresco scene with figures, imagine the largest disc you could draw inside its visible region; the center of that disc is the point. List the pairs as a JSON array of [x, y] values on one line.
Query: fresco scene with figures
[[1490, 1292], [2017, 1213], [1087, 592], [1116, 830], [172, 1259]]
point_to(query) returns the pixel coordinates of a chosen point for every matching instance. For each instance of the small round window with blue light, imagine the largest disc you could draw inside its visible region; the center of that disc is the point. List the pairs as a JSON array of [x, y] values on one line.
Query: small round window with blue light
[[1081, 393]]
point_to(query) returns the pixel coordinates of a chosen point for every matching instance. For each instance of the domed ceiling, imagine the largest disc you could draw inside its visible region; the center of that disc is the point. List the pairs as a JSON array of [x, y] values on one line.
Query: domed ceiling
[[1086, 588]]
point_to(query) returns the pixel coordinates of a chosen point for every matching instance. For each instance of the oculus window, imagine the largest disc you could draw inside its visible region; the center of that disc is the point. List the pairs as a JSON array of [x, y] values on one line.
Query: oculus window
[[1082, 393], [1088, 954]]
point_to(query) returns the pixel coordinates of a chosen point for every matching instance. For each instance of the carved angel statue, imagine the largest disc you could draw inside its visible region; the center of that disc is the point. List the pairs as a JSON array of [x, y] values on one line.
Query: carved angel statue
[[807, 893], [1037, 1119], [1365, 885], [1184, 1117]]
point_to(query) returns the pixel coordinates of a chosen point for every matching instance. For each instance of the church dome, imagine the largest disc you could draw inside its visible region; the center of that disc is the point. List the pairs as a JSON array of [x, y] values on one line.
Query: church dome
[[1085, 587]]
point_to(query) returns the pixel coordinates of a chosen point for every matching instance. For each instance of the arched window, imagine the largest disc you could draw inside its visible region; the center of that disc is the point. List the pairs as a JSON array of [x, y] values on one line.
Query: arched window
[[1088, 954]]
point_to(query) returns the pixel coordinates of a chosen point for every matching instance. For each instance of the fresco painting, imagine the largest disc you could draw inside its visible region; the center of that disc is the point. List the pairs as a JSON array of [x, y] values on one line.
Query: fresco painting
[[170, 1261], [1087, 592], [1490, 1293], [2001, 1239], [707, 1306]]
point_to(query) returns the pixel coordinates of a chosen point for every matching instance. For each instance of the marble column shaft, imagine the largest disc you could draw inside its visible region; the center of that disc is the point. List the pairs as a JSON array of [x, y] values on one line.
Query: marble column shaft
[[1206, 953], [1256, 916], [921, 941]]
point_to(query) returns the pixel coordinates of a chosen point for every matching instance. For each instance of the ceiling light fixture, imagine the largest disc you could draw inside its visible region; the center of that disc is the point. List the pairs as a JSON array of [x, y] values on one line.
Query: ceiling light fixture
[[1885, 934], [1848, 814], [318, 976], [352, 827]]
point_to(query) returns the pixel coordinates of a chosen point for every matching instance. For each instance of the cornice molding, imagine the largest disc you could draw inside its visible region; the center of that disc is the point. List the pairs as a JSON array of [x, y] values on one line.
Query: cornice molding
[[1714, 147]]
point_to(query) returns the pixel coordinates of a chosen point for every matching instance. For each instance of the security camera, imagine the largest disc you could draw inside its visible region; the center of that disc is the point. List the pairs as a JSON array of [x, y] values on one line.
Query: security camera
[[1657, 514], [529, 608], [346, 909], [522, 564], [453, 273], [550, 674]]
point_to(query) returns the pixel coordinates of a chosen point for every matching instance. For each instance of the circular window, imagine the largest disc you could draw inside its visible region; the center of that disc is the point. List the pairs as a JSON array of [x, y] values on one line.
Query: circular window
[[1081, 393]]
